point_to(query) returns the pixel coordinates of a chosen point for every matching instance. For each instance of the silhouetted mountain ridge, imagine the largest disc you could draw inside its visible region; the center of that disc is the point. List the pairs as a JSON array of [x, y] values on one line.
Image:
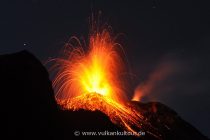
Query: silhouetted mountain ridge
[[31, 111]]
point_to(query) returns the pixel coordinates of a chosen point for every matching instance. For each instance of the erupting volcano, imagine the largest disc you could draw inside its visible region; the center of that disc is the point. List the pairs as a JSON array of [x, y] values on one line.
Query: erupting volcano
[[91, 80], [96, 70]]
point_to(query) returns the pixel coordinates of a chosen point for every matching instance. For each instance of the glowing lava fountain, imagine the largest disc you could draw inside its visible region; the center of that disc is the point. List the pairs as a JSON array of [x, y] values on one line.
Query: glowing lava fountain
[[96, 70], [91, 80]]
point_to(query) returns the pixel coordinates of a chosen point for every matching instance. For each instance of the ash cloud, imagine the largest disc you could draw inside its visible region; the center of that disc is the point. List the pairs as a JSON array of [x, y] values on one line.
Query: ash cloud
[[172, 74], [183, 83]]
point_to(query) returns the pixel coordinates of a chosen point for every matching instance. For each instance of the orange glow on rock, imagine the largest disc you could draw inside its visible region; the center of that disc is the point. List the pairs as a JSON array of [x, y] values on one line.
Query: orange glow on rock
[[91, 80]]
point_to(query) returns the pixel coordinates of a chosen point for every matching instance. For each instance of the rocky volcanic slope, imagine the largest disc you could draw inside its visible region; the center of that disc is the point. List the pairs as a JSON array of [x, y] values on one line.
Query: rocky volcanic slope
[[31, 112]]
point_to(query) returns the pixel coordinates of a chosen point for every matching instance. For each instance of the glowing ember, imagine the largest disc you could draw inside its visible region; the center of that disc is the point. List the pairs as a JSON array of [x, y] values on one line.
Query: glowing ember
[[91, 80]]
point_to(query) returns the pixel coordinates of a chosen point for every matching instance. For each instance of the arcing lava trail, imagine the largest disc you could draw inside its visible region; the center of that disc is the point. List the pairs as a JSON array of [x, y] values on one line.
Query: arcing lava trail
[[91, 80]]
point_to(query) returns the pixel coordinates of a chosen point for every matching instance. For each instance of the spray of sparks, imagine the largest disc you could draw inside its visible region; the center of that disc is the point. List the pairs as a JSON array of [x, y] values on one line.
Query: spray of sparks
[[91, 80]]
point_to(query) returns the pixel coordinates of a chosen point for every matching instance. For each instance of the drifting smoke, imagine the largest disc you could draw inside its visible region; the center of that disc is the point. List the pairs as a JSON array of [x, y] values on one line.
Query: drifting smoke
[[165, 69]]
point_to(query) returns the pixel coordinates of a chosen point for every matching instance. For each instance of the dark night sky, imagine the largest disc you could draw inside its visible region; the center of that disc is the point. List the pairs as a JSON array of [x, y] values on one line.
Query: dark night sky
[[158, 34]]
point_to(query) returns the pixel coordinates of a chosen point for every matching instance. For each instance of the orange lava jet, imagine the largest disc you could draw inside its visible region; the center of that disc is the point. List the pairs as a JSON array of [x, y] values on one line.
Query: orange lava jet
[[91, 80], [94, 71]]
